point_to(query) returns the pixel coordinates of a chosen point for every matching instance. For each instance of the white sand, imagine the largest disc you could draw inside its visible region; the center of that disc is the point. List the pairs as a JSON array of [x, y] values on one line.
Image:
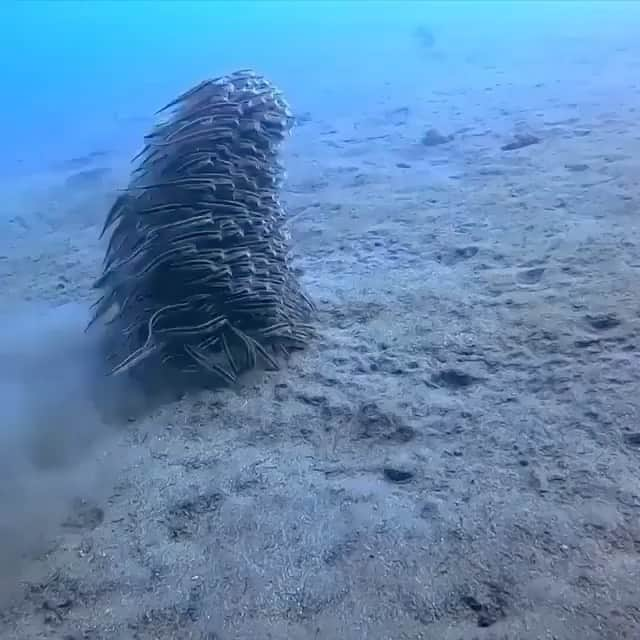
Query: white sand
[[479, 326]]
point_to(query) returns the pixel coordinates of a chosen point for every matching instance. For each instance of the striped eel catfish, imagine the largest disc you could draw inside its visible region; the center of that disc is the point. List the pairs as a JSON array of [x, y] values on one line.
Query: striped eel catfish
[[197, 274]]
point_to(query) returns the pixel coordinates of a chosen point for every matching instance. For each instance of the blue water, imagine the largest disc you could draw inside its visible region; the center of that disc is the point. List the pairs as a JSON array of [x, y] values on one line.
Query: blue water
[[84, 77], [77, 76]]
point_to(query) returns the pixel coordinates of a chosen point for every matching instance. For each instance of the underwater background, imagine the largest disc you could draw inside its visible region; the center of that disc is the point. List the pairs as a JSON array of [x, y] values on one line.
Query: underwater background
[[454, 453], [74, 74]]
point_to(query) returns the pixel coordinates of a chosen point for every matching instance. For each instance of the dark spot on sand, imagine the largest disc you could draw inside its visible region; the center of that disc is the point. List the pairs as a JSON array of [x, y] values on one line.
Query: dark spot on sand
[[453, 378], [519, 141], [472, 603], [457, 254], [374, 423], [433, 137], [429, 510], [184, 518], [398, 476], [530, 276], [489, 612], [632, 439], [603, 322], [576, 167]]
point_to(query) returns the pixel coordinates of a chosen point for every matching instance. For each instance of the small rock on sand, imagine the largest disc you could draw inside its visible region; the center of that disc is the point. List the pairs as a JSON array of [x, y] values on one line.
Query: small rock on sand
[[433, 137]]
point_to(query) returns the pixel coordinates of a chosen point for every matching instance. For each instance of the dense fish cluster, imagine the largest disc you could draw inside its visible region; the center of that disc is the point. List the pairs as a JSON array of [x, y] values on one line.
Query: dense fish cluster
[[196, 273]]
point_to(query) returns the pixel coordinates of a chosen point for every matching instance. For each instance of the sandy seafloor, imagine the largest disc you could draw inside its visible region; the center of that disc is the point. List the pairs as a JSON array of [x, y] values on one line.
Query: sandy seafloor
[[455, 457]]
